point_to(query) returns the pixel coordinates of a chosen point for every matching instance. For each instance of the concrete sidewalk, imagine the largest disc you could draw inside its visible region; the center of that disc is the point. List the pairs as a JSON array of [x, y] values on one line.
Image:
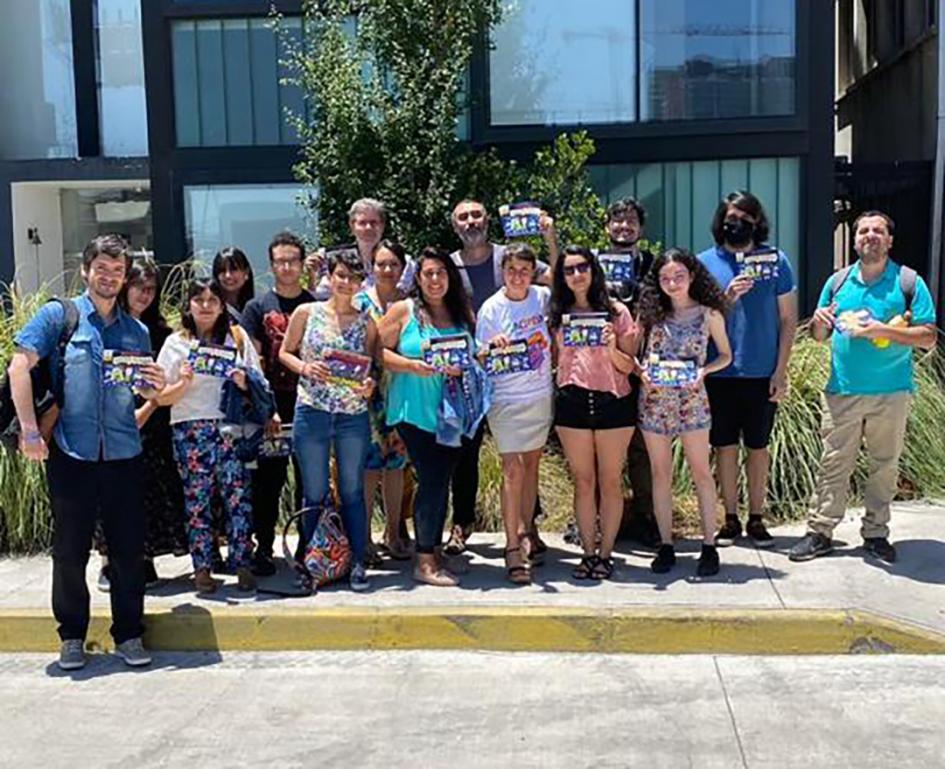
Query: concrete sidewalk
[[761, 586]]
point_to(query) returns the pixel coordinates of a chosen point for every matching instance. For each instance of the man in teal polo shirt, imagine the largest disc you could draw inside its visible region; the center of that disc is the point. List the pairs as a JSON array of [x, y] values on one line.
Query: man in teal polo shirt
[[871, 384]]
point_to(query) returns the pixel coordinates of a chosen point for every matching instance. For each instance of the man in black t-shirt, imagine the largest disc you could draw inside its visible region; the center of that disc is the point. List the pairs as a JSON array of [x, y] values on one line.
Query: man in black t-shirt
[[266, 319]]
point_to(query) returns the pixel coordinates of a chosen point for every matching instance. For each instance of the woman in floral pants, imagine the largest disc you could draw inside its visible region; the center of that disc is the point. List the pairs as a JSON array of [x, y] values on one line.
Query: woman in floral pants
[[203, 442]]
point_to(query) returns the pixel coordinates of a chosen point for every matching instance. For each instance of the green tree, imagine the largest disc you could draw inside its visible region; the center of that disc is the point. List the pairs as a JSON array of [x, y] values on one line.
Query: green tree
[[384, 88]]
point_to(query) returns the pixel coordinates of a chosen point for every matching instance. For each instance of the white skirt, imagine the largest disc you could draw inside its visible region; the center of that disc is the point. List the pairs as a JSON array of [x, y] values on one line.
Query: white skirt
[[521, 426]]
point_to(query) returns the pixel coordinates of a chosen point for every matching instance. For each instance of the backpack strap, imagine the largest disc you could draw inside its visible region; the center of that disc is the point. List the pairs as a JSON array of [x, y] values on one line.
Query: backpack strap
[[838, 279], [907, 282], [70, 323]]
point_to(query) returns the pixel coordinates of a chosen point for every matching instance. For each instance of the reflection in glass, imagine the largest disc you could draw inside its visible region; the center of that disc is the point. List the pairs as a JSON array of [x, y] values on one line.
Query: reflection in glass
[[37, 90], [575, 65], [724, 59], [242, 215], [122, 102]]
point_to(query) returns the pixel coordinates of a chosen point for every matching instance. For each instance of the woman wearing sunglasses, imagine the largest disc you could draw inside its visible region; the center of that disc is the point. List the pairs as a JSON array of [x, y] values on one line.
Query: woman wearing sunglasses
[[595, 412]]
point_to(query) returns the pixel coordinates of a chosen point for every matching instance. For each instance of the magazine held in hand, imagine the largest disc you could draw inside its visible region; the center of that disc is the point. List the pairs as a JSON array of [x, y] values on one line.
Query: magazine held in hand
[[518, 355], [520, 220], [618, 268], [442, 352], [279, 445], [671, 373], [759, 265], [212, 359], [123, 369], [347, 368], [584, 329]]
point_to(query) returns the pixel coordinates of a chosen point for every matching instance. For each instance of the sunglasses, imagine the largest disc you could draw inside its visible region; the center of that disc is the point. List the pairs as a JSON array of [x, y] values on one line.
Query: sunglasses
[[580, 269]]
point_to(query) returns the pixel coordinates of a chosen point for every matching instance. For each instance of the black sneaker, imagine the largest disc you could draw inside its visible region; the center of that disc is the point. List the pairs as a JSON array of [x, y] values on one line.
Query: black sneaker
[[708, 562], [879, 547], [755, 529], [664, 561], [810, 546], [263, 565], [730, 531]]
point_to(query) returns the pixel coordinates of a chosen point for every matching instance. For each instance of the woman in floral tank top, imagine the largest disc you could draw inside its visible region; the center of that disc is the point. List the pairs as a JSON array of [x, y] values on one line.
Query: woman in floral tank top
[[330, 345], [681, 308]]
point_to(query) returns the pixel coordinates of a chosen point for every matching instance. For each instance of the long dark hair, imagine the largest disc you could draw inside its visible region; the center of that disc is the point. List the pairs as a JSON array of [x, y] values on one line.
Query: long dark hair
[[143, 268], [222, 326], [456, 300], [235, 259], [747, 204], [562, 297], [655, 304]]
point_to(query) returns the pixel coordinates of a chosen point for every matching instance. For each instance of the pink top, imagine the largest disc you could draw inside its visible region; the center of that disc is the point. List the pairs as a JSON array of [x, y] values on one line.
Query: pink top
[[591, 367]]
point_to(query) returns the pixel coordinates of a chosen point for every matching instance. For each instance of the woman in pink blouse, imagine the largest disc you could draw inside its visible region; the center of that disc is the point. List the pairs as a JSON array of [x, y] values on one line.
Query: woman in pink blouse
[[595, 409]]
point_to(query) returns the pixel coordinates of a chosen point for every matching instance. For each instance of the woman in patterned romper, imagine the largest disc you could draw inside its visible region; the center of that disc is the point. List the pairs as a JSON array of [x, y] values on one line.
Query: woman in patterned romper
[[681, 308]]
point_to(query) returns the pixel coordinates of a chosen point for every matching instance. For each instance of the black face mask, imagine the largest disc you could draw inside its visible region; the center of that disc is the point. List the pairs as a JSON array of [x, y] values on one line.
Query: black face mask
[[738, 232]]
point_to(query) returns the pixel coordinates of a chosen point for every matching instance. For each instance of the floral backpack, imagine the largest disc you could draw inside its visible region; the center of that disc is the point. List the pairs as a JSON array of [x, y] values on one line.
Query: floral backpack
[[327, 555]]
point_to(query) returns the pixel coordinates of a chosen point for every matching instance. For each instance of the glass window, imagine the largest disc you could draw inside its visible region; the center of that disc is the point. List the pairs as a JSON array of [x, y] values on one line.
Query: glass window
[[243, 215], [729, 58], [226, 83], [37, 89], [575, 65], [123, 107], [681, 198]]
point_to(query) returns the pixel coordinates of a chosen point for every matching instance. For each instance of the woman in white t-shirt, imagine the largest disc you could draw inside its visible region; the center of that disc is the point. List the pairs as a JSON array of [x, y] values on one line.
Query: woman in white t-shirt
[[512, 331], [203, 445]]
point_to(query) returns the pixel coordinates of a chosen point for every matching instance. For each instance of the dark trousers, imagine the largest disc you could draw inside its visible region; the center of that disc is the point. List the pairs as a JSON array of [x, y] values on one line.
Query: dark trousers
[[466, 480], [268, 480], [80, 492], [435, 466]]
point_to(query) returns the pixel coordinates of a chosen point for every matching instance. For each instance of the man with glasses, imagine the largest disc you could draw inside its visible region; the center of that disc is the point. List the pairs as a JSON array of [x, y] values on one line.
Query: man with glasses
[[265, 320], [480, 265], [94, 452], [759, 283]]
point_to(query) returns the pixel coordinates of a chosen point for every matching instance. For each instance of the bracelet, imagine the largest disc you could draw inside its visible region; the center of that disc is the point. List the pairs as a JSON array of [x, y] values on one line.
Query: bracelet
[[32, 436]]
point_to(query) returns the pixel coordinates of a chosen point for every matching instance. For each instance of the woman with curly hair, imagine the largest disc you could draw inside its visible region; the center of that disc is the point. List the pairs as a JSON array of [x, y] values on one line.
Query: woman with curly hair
[[595, 411], [681, 308]]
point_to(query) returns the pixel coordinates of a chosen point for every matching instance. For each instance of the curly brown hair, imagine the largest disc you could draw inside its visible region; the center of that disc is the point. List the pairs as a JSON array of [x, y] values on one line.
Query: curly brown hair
[[655, 304]]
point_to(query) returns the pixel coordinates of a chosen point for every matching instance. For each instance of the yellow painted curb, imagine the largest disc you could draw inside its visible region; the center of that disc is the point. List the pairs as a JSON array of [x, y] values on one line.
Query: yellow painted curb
[[539, 629]]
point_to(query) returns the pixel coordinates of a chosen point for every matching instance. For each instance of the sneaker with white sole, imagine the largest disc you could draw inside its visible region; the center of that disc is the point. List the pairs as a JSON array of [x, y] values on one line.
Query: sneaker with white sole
[[133, 653], [358, 578], [72, 654]]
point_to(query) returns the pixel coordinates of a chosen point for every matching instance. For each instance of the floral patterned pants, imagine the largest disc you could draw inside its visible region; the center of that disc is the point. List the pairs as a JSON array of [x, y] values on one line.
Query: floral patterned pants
[[207, 461]]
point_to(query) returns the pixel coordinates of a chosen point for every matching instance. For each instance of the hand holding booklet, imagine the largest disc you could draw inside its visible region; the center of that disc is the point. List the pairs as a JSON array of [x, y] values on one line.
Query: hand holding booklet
[[584, 329], [447, 351], [671, 373], [350, 369], [618, 268], [124, 369], [520, 220], [279, 445], [759, 265], [215, 360], [518, 355]]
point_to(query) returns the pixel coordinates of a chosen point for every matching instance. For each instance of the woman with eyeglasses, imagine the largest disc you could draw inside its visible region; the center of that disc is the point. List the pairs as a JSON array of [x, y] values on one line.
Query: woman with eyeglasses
[[204, 444], [596, 340], [332, 410], [387, 456], [438, 307]]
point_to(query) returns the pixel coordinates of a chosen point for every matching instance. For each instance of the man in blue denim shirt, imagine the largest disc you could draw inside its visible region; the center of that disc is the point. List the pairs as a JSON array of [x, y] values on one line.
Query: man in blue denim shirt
[[94, 451]]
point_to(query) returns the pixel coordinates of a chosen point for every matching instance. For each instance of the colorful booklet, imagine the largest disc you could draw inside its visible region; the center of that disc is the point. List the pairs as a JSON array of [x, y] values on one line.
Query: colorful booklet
[[123, 369], [584, 329], [441, 352], [279, 445], [618, 268], [518, 355], [849, 321], [347, 368], [671, 373], [759, 265], [520, 220], [212, 359]]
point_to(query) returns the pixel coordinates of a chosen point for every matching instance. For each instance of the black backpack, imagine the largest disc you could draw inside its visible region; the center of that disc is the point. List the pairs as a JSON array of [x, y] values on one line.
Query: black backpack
[[47, 390]]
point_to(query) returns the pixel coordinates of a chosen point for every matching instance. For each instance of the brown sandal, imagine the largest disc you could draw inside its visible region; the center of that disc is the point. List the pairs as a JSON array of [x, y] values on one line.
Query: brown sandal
[[516, 570]]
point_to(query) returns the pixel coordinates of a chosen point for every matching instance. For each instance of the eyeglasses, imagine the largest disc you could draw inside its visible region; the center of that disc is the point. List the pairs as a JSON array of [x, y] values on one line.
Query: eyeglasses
[[580, 269], [285, 264]]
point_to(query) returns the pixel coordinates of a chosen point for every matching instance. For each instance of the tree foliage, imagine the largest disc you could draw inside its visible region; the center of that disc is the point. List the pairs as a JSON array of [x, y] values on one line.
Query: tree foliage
[[384, 84]]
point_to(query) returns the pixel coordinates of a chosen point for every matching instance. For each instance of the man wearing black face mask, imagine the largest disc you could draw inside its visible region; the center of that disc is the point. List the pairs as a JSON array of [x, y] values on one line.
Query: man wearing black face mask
[[759, 283], [625, 221]]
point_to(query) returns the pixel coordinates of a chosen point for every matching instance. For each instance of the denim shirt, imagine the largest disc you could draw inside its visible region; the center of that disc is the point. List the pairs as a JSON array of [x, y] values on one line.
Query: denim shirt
[[96, 423]]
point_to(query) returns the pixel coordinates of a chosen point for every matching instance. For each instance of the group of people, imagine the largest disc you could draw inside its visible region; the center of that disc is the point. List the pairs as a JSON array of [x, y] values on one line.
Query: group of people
[[621, 351]]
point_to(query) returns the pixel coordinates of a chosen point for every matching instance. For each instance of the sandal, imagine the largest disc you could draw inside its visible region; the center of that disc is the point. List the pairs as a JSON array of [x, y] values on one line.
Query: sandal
[[585, 568], [535, 549], [399, 550], [372, 558], [456, 544], [515, 568], [603, 569]]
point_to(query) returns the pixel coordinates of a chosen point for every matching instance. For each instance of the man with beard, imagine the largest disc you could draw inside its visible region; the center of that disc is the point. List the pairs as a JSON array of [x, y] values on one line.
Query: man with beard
[[94, 452], [625, 222], [874, 313], [480, 265], [761, 322], [265, 320]]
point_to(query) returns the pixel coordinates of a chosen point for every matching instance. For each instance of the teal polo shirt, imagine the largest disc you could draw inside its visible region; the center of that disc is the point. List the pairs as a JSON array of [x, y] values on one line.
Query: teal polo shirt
[[857, 366]]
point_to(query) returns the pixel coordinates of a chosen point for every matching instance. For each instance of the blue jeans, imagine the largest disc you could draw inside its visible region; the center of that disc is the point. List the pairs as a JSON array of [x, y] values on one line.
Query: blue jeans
[[314, 433]]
